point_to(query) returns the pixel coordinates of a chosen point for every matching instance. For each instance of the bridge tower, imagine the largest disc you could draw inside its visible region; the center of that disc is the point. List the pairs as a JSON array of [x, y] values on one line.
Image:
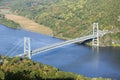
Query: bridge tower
[[95, 47], [27, 48], [95, 41]]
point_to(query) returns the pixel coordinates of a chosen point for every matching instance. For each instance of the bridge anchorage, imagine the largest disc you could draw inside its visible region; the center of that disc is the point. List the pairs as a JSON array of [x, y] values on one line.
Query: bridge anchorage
[[94, 36]]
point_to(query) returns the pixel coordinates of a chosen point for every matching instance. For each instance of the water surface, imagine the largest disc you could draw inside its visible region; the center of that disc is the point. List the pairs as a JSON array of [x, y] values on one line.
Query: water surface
[[75, 58]]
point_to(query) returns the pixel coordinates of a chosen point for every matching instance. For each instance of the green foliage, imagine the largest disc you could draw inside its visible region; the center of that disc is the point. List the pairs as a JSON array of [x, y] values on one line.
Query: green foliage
[[2, 75], [16, 68], [8, 23]]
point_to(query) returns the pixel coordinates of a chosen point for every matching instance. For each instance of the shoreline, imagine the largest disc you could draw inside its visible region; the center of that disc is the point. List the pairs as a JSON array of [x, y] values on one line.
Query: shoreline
[[29, 25]]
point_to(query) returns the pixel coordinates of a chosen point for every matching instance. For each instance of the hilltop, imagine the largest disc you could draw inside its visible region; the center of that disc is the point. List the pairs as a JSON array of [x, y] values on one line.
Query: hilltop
[[72, 18]]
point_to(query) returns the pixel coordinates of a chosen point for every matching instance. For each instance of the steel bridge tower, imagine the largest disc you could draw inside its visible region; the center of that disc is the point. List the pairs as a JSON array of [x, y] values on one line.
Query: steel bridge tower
[[95, 41], [95, 45], [27, 48]]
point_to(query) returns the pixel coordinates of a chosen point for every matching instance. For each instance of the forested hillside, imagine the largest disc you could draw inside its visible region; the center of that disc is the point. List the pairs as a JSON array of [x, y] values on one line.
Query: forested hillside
[[25, 69], [72, 18]]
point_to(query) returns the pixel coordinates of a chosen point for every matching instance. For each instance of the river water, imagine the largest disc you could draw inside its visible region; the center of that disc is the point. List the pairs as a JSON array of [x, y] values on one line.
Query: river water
[[80, 59]]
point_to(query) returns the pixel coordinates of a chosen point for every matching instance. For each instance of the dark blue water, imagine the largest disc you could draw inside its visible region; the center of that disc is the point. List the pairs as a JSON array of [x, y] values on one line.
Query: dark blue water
[[79, 59]]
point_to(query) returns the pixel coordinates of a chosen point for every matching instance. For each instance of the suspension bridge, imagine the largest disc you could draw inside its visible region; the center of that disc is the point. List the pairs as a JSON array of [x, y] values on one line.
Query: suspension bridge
[[94, 36]]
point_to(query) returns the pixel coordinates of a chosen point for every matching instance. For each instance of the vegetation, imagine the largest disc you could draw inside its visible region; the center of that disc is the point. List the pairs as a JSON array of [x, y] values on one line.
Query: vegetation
[[70, 18], [111, 39], [18, 69], [8, 23]]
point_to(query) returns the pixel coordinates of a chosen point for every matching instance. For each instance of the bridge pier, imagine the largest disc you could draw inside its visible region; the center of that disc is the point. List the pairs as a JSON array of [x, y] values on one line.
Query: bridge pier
[[27, 48], [95, 41]]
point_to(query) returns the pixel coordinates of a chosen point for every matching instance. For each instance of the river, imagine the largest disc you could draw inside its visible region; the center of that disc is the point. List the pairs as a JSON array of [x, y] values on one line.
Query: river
[[75, 58]]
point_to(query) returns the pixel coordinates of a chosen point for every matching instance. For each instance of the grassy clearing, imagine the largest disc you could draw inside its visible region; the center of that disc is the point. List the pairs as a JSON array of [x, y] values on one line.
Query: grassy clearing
[[29, 24]]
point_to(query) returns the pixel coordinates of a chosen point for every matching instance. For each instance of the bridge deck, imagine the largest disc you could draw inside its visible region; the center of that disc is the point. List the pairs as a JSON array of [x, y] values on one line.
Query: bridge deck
[[57, 45]]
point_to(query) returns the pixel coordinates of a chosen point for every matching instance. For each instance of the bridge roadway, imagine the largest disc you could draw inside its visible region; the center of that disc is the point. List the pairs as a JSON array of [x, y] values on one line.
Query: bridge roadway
[[57, 45]]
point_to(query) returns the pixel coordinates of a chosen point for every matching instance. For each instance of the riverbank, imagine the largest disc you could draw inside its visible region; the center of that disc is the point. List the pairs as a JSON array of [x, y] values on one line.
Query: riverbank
[[8, 23], [25, 69], [29, 24]]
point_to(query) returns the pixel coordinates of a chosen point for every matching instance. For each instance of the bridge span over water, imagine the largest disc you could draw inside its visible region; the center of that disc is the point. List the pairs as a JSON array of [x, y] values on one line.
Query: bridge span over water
[[94, 36]]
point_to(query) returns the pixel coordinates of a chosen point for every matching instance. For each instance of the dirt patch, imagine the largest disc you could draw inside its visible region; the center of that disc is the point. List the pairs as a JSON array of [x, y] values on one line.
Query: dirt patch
[[29, 24]]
